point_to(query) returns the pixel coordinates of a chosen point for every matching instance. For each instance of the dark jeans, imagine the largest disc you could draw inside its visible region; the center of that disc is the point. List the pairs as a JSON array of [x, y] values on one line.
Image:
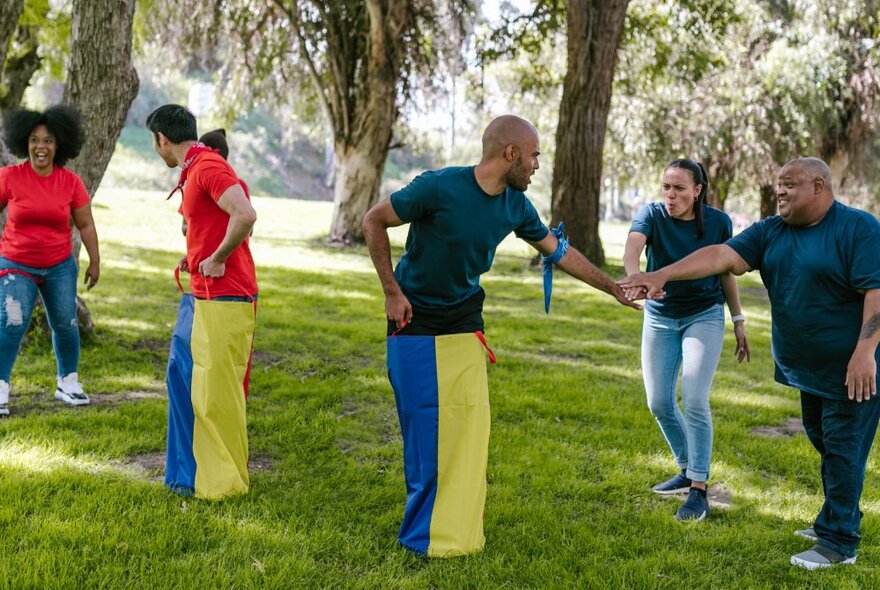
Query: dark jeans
[[467, 316], [842, 431]]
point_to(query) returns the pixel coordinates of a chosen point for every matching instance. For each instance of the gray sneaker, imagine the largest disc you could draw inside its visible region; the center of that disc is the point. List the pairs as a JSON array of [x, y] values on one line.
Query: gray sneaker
[[820, 557], [808, 534]]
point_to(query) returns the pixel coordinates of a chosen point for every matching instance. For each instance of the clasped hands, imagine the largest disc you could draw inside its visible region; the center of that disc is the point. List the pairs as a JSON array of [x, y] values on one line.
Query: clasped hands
[[642, 285]]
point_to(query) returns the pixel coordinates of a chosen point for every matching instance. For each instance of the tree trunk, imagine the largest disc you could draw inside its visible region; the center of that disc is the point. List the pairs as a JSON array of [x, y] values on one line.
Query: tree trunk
[[20, 68], [8, 21], [594, 31], [358, 178], [768, 201], [101, 82], [362, 151]]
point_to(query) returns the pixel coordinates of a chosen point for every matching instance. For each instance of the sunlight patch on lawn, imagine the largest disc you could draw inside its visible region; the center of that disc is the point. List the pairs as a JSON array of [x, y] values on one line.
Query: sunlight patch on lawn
[[127, 324], [18, 456], [757, 400]]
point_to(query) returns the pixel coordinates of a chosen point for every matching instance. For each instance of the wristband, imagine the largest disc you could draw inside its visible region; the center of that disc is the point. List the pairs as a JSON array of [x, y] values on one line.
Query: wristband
[[738, 318]]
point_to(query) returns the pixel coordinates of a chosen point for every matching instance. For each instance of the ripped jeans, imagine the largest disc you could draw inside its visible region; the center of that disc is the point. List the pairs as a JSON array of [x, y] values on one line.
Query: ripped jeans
[[18, 293]]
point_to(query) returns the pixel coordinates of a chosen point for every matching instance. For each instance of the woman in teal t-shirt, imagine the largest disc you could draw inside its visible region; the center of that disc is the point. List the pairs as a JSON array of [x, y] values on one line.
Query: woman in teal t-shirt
[[685, 329]]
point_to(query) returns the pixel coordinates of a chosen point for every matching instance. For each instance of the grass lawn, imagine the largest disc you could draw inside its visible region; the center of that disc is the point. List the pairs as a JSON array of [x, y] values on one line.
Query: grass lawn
[[573, 453]]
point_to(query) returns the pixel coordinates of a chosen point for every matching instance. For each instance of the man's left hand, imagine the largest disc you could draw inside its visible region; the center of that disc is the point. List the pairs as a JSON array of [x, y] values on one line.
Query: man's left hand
[[209, 268], [861, 375]]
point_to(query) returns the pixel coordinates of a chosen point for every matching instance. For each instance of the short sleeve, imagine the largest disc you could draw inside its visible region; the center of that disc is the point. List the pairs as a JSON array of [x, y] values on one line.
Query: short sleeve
[[727, 228], [749, 244], [4, 190], [80, 194], [530, 227], [417, 199], [643, 222], [864, 269], [213, 175]]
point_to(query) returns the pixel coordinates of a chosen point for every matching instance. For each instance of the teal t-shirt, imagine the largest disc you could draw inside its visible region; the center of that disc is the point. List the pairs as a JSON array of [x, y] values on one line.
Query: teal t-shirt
[[670, 240], [454, 230], [814, 276]]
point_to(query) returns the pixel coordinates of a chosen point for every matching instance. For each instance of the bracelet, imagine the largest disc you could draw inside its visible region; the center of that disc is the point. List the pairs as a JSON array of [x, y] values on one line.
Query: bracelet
[[738, 318]]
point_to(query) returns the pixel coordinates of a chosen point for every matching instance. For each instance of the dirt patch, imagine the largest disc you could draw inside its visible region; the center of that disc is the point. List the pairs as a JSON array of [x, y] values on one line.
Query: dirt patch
[[127, 396], [150, 344], [152, 465], [719, 496], [261, 463], [791, 427]]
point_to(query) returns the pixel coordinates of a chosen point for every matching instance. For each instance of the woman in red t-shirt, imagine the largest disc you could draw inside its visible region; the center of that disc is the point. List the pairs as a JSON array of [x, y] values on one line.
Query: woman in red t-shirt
[[40, 197]]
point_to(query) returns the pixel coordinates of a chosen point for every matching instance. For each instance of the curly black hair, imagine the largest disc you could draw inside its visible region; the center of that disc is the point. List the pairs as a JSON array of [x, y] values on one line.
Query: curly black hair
[[62, 121]]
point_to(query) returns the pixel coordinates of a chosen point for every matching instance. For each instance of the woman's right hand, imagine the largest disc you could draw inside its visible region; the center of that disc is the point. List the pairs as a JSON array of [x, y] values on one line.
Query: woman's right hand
[[93, 273]]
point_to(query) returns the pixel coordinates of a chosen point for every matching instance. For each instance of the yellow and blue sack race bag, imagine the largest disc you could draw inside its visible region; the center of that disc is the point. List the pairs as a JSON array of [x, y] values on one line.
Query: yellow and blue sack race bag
[[208, 367], [442, 394]]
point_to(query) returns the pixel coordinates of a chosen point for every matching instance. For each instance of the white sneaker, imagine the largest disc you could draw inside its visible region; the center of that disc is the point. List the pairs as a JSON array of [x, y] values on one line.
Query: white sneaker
[[70, 391], [4, 398]]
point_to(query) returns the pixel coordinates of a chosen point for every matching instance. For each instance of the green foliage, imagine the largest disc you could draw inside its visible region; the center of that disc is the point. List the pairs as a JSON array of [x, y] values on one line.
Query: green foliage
[[573, 452]]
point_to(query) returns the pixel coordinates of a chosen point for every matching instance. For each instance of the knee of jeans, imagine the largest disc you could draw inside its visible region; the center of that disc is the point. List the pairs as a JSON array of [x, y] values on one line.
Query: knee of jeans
[[697, 408], [660, 407]]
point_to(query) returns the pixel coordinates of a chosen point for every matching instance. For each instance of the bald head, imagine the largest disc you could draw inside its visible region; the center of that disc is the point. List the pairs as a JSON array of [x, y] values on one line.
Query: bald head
[[504, 131]]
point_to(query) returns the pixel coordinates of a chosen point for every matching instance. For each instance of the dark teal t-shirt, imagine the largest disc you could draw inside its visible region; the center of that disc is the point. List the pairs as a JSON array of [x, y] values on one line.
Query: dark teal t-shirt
[[813, 277], [454, 230], [670, 240]]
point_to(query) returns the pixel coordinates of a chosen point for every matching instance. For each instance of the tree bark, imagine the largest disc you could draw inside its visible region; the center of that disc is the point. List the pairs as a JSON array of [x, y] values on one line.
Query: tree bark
[[358, 179], [594, 32], [101, 81], [364, 137], [20, 68], [8, 21], [101, 84], [768, 201]]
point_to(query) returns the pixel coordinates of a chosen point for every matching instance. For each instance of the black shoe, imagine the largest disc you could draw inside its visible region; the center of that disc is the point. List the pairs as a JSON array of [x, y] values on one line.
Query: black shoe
[[677, 485], [696, 507]]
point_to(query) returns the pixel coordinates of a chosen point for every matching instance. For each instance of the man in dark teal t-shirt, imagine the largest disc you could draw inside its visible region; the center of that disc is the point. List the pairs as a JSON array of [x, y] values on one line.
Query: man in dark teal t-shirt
[[457, 218], [820, 262]]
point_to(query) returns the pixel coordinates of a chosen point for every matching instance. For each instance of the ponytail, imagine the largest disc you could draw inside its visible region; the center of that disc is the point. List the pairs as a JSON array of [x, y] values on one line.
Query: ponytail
[[700, 177]]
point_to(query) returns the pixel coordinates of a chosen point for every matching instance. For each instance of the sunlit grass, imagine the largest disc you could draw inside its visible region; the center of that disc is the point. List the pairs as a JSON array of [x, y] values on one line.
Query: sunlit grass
[[573, 453]]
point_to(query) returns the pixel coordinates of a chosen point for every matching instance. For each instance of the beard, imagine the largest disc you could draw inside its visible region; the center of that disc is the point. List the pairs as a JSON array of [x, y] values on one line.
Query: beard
[[517, 176]]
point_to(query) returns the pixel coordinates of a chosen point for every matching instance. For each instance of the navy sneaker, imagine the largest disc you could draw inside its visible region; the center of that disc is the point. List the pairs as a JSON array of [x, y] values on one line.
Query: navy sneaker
[[677, 485], [696, 507]]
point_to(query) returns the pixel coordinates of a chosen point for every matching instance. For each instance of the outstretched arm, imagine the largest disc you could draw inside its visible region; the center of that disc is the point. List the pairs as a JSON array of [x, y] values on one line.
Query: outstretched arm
[[376, 224], [705, 262], [861, 373], [577, 265]]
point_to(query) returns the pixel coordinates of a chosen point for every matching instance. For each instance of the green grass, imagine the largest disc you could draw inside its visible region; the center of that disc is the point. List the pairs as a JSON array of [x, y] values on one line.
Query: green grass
[[573, 447]]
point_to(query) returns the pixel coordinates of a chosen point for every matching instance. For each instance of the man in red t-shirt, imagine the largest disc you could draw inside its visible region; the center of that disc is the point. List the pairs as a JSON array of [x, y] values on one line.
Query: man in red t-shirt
[[209, 361], [217, 211]]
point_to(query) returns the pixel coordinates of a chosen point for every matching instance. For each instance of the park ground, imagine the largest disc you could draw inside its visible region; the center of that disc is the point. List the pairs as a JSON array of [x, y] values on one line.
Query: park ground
[[573, 453]]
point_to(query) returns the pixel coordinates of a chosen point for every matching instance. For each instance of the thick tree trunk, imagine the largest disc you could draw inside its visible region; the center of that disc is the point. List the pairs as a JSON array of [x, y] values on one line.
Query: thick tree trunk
[[594, 31], [361, 153], [8, 21], [101, 82], [768, 201], [358, 178]]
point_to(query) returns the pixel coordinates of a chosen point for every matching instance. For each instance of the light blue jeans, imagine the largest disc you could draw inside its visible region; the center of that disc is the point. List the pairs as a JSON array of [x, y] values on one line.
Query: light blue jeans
[[692, 344], [18, 293]]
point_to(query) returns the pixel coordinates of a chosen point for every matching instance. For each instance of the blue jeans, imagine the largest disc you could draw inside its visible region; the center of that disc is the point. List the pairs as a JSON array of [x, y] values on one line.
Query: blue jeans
[[18, 293], [842, 431], [693, 344]]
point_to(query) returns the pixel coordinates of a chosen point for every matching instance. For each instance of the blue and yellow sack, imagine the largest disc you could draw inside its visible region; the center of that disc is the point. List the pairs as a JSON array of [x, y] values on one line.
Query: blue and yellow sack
[[207, 378], [440, 385]]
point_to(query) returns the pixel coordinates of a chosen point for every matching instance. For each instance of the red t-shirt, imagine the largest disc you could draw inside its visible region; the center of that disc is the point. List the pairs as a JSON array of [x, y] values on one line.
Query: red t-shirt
[[37, 231], [206, 181]]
